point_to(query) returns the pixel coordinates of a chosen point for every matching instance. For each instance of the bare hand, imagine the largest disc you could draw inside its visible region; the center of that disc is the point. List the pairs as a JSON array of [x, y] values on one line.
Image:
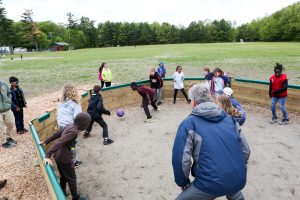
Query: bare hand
[[42, 143], [17, 109], [48, 161]]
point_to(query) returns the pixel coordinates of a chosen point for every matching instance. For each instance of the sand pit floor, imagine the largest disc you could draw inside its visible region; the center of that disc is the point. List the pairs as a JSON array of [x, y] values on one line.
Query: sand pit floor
[[137, 166]]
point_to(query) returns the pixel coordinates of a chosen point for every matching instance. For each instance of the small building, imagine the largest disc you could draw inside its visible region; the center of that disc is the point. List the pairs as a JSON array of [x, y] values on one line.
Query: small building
[[58, 46]]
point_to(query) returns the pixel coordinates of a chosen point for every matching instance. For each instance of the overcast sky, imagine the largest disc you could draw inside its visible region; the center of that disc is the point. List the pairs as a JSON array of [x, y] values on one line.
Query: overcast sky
[[178, 12]]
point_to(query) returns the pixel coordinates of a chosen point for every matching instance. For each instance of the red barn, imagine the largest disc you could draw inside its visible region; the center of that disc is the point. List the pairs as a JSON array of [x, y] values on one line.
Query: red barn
[[58, 46]]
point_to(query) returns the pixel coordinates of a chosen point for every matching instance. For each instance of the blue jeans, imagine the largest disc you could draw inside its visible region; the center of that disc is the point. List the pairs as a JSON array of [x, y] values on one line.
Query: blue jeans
[[192, 193], [282, 101]]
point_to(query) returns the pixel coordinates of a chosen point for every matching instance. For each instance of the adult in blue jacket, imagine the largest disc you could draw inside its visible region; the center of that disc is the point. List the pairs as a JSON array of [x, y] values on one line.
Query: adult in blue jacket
[[210, 145]]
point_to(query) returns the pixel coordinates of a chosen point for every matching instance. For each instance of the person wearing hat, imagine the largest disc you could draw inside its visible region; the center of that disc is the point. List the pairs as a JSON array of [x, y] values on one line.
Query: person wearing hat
[[6, 117], [96, 109], [18, 104], [210, 146], [61, 151], [228, 92], [162, 70]]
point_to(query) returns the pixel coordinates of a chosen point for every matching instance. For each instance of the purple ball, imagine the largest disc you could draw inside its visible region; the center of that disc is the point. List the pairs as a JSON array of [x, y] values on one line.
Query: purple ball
[[120, 112]]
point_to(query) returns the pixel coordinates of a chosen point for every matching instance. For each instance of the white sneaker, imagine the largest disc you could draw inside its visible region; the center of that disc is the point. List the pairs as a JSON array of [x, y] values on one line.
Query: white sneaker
[[149, 121]]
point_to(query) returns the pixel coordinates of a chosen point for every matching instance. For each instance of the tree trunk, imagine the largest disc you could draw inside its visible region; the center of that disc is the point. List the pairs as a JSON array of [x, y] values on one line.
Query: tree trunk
[[36, 45]]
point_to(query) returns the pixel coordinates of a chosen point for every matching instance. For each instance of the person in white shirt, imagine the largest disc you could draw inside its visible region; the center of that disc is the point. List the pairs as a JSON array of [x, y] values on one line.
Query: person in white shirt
[[178, 79]]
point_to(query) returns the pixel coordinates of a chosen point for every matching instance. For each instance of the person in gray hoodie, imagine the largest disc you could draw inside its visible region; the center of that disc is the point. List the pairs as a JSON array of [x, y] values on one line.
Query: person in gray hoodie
[[6, 116]]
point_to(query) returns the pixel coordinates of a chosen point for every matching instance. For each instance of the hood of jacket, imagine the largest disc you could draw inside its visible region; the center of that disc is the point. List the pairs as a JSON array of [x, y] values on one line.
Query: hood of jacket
[[209, 111]]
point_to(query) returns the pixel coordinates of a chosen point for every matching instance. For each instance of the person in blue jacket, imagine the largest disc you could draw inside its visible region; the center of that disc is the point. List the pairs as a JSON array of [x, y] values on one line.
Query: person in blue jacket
[[162, 70], [209, 145]]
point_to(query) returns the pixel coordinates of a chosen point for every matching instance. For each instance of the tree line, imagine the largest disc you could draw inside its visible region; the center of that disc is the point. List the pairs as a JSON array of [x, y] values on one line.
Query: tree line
[[283, 25]]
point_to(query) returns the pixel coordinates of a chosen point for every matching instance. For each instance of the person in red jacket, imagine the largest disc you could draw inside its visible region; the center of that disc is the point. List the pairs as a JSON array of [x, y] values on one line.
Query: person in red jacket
[[148, 94], [278, 92]]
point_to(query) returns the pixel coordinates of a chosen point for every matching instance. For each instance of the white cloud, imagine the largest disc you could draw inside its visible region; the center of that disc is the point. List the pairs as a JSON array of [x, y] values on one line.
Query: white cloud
[[172, 11]]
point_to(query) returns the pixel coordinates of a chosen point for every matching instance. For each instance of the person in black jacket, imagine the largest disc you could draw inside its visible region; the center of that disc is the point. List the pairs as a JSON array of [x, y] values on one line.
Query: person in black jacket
[[157, 84], [96, 109], [17, 104]]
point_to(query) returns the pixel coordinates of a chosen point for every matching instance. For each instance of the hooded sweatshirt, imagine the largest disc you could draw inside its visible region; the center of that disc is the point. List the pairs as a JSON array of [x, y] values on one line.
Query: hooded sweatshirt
[[66, 112], [213, 140]]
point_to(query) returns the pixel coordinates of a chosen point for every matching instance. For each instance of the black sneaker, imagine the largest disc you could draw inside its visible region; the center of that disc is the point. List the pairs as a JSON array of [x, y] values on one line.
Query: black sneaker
[[189, 101], [3, 183], [284, 122], [10, 140], [108, 141], [81, 197], [86, 134], [158, 103], [77, 164], [8, 145]]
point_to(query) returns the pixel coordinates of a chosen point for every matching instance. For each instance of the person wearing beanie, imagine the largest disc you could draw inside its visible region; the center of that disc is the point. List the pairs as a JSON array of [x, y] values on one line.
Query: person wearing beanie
[[148, 96], [61, 151], [210, 146], [17, 104], [96, 109]]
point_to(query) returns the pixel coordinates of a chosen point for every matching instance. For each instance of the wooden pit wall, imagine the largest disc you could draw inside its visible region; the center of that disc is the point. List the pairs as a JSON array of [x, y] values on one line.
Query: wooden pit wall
[[259, 94]]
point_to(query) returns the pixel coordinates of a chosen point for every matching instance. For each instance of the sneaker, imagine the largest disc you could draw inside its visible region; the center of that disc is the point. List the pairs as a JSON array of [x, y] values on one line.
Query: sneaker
[[3, 183], [86, 134], [108, 141], [20, 132], [149, 121], [156, 109], [8, 145], [158, 103], [10, 140], [174, 102], [25, 130], [274, 121], [77, 164], [189, 101], [284, 122], [80, 197]]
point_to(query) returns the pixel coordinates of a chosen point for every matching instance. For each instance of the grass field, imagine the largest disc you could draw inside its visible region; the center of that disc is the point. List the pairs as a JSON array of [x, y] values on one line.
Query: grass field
[[41, 73]]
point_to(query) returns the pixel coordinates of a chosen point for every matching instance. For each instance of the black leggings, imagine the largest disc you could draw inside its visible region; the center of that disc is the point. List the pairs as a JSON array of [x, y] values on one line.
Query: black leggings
[[102, 123], [107, 84], [183, 92]]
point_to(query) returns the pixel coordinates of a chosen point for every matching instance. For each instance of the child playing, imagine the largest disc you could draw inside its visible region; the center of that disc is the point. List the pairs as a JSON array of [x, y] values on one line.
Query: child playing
[[225, 103], [62, 154], [106, 75], [162, 70], [278, 92], [157, 84], [218, 82], [228, 91], [100, 75], [17, 104], [178, 79], [148, 96], [96, 109], [207, 74], [67, 110]]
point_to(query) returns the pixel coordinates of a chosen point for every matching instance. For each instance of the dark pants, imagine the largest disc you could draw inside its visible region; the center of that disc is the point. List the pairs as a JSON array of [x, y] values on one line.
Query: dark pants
[[19, 120], [102, 84], [102, 123], [145, 106], [183, 92], [68, 175], [107, 84]]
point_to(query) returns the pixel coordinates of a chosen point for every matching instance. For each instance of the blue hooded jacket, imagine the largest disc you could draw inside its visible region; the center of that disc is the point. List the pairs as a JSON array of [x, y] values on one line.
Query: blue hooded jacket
[[162, 70], [241, 119], [213, 140]]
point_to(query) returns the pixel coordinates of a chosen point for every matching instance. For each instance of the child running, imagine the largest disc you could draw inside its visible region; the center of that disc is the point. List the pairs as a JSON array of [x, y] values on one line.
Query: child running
[[18, 104], [278, 92], [178, 78], [218, 82], [67, 110], [157, 84], [62, 154], [225, 103], [148, 96], [96, 109]]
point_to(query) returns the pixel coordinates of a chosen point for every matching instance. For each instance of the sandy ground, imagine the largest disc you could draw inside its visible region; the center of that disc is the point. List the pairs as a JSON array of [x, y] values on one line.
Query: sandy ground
[[138, 165]]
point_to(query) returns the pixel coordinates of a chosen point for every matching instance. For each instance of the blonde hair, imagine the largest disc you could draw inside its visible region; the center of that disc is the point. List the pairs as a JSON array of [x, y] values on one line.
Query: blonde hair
[[226, 105], [70, 93]]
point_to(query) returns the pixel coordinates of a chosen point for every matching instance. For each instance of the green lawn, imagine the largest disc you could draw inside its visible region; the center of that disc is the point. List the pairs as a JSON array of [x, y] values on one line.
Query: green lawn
[[41, 73]]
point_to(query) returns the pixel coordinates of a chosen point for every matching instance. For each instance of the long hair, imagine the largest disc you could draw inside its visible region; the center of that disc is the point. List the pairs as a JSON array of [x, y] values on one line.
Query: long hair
[[218, 70], [101, 67], [70, 93], [225, 104]]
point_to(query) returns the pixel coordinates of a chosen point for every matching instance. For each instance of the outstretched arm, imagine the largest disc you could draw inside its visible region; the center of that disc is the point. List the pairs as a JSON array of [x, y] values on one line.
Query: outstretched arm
[[283, 88]]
